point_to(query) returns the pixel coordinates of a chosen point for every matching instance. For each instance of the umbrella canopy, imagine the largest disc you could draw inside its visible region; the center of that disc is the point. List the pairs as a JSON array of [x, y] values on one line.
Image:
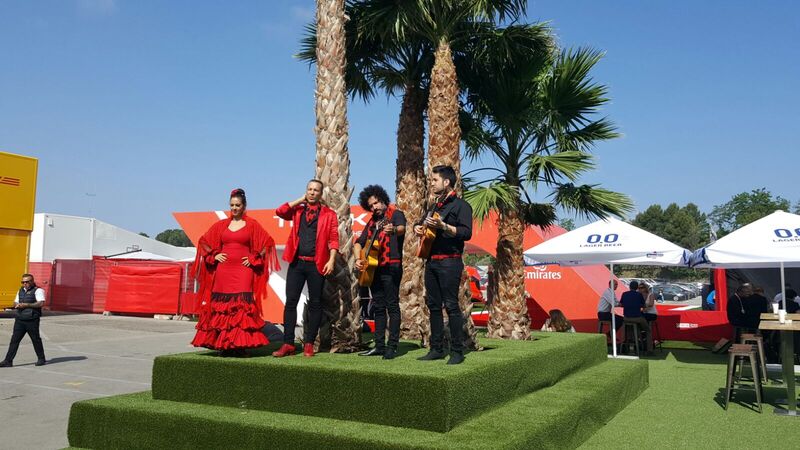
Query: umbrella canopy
[[608, 241], [767, 242]]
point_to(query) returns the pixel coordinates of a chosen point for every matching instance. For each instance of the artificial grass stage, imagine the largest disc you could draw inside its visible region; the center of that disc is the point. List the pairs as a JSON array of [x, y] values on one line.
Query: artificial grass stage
[[424, 395], [560, 416]]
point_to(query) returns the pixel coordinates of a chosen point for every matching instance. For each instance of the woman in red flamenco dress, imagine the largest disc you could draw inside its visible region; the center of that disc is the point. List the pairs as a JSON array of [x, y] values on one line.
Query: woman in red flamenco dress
[[233, 263]]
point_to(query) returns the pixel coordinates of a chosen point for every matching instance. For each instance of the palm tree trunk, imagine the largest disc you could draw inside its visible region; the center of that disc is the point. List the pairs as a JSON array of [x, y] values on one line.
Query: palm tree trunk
[[444, 148], [411, 192], [333, 169], [508, 317]]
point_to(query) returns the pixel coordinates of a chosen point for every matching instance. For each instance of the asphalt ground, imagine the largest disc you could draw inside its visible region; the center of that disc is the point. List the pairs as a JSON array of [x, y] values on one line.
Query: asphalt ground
[[89, 356]]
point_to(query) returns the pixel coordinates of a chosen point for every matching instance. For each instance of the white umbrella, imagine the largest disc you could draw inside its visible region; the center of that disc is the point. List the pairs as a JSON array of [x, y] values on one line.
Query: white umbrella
[[772, 241], [608, 241]]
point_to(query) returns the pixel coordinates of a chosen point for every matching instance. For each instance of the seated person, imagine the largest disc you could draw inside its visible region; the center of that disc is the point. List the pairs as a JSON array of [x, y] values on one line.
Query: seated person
[[650, 312], [633, 305], [607, 303], [557, 322], [792, 301]]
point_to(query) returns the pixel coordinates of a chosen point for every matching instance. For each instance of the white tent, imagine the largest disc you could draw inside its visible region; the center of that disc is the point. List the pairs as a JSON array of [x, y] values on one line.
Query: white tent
[[772, 241], [608, 241]]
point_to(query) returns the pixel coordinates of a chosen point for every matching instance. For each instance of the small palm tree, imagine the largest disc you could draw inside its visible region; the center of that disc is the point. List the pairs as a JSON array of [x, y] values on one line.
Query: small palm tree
[[532, 109]]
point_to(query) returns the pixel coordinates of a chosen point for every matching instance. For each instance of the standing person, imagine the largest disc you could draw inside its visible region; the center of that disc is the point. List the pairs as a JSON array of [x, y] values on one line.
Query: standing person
[[606, 305], [311, 253], [737, 313], [28, 304], [234, 260], [444, 266], [385, 286], [633, 305]]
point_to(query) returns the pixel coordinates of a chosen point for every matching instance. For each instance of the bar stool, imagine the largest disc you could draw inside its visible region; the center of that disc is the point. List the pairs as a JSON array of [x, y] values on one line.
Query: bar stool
[[656, 334], [632, 331], [738, 352], [601, 324], [758, 340]]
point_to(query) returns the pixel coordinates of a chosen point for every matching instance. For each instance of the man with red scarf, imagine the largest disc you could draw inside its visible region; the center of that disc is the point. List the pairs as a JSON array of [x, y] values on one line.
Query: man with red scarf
[[390, 225], [445, 265], [311, 253]]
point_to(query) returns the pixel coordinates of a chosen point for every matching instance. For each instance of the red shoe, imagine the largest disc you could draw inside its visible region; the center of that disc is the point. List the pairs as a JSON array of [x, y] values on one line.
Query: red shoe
[[308, 349], [285, 350]]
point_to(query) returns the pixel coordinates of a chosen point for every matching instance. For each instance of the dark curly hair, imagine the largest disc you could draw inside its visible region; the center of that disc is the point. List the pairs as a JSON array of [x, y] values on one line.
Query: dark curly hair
[[372, 190]]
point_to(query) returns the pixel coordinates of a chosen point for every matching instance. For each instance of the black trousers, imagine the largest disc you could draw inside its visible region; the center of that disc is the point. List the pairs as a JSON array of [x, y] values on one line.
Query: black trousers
[[607, 316], [21, 327], [442, 283], [298, 275], [386, 298]]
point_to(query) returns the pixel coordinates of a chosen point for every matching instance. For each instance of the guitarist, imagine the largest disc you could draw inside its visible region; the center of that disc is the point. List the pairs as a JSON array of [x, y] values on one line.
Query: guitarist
[[444, 265], [386, 281]]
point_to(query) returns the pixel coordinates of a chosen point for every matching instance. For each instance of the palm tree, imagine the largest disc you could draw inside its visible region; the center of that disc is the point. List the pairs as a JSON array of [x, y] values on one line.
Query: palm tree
[[400, 67], [441, 23], [532, 109], [333, 169]]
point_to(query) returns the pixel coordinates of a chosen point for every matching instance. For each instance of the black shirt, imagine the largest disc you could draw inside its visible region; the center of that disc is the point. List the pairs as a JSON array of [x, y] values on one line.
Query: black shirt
[[632, 304], [391, 245], [454, 211], [307, 235]]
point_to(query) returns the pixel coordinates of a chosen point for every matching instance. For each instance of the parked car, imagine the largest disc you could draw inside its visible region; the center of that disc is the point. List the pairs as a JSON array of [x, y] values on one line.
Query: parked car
[[670, 292]]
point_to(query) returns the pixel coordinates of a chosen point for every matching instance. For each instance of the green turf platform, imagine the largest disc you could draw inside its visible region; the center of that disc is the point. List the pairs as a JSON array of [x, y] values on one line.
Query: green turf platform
[[560, 416], [425, 395]]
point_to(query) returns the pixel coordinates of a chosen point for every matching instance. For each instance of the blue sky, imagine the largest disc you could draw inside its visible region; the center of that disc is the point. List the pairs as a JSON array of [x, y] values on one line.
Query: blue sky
[[136, 109]]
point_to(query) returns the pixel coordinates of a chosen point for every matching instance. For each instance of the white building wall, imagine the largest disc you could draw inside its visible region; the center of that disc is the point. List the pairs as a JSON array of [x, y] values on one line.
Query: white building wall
[[57, 236]]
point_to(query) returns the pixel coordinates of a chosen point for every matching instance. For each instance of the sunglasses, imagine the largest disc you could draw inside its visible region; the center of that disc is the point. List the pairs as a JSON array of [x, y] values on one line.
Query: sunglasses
[[25, 282]]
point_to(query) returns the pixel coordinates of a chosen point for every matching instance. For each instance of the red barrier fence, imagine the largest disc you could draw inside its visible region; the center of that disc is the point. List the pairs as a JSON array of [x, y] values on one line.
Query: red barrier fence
[[120, 285]]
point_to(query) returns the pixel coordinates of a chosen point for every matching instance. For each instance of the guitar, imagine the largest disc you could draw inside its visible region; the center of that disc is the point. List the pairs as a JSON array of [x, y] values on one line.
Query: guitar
[[426, 240], [369, 255]]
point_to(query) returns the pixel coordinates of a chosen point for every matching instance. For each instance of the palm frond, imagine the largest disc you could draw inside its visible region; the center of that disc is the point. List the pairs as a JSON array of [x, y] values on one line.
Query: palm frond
[[589, 201], [570, 96], [556, 167], [486, 198], [583, 139], [539, 214]]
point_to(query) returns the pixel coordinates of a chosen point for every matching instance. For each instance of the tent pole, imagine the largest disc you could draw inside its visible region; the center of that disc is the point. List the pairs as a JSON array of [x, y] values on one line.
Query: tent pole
[[783, 286], [613, 300]]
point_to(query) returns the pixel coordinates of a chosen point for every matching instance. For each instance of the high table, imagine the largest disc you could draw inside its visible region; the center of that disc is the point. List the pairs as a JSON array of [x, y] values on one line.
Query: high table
[[770, 316], [787, 361]]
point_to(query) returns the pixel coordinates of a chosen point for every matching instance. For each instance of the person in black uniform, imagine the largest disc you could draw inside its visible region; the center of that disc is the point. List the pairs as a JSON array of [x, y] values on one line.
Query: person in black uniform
[[386, 281], [444, 266], [28, 303]]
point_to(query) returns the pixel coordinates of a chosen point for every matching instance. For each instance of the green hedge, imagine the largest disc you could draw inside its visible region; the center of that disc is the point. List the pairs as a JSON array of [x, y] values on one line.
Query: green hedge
[[561, 416], [424, 395]]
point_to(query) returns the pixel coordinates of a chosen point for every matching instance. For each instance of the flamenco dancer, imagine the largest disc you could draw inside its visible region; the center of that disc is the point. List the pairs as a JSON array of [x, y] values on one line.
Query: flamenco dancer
[[234, 260]]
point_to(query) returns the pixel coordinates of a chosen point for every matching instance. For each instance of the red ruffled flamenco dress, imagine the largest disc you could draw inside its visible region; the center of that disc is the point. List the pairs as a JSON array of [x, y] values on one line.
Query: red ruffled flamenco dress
[[231, 293]]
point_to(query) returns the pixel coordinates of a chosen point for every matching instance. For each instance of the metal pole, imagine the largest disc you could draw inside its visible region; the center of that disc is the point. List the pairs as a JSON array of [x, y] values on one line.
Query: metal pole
[[613, 321], [783, 287]]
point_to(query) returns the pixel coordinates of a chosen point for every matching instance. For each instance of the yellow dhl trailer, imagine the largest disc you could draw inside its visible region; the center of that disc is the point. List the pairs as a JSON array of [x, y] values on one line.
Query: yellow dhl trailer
[[17, 202]]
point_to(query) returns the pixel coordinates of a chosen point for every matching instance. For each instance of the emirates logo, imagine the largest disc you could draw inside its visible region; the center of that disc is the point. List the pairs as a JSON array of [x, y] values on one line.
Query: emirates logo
[[9, 181]]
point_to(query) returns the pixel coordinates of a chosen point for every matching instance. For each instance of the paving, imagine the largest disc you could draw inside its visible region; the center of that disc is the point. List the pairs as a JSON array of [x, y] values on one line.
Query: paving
[[88, 356]]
